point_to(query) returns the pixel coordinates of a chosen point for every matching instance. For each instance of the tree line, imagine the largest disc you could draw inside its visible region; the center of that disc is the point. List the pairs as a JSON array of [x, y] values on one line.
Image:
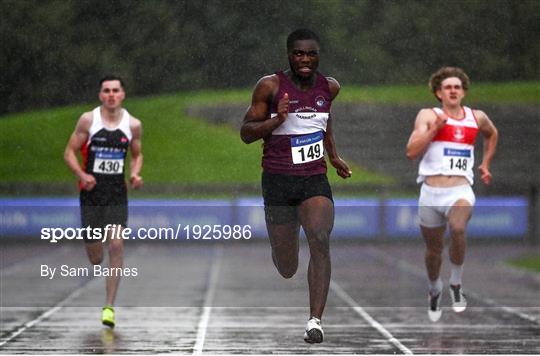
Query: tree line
[[55, 51]]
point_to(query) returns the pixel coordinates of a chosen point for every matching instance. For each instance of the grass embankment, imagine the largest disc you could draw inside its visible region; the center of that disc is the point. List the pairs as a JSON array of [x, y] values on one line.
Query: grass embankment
[[531, 263], [504, 93], [181, 149]]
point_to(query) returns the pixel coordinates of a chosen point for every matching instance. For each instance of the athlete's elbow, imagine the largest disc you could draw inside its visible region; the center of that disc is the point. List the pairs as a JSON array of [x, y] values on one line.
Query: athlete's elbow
[[246, 137], [411, 155]]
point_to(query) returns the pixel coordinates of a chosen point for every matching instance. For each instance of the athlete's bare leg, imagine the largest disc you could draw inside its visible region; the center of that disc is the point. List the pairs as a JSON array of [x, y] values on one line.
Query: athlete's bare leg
[[316, 216], [458, 216], [95, 255], [116, 260], [94, 250], [284, 242], [434, 238]]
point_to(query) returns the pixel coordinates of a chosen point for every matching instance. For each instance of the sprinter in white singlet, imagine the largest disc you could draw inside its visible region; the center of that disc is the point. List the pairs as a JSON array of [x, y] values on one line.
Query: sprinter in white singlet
[[444, 140]]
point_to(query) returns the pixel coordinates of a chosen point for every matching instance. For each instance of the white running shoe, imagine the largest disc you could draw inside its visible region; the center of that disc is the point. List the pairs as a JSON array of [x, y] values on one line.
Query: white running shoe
[[314, 333], [459, 303], [434, 310]]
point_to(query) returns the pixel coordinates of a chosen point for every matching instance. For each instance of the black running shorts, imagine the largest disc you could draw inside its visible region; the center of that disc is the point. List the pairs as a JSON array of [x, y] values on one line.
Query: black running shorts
[[102, 206], [283, 193]]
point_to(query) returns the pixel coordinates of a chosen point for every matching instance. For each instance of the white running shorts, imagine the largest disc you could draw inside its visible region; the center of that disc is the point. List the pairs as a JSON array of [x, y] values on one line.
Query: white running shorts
[[435, 203]]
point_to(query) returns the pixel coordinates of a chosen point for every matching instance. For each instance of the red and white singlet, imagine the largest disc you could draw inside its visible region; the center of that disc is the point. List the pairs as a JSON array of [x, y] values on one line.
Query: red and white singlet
[[451, 151]]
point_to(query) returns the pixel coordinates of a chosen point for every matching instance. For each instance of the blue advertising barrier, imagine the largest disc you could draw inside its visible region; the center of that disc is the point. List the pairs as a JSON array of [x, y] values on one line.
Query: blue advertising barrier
[[357, 218], [492, 217], [354, 218], [28, 216]]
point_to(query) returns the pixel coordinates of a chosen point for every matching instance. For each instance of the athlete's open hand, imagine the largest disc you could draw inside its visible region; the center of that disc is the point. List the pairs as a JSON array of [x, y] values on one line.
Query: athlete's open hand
[[485, 174], [283, 108], [342, 169], [136, 181], [88, 181]]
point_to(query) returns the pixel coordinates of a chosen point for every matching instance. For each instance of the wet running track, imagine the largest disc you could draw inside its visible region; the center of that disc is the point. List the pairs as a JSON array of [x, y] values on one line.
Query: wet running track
[[227, 298]]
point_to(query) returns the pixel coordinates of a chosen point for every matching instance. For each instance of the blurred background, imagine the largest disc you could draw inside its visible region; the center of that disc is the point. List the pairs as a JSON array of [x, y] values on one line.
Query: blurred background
[[53, 52], [190, 66]]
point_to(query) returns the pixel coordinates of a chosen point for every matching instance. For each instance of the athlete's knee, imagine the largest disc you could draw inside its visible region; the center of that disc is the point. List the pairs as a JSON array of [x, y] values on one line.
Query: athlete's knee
[[286, 267], [457, 229], [94, 251], [95, 259], [434, 251], [319, 240], [116, 247], [288, 272]]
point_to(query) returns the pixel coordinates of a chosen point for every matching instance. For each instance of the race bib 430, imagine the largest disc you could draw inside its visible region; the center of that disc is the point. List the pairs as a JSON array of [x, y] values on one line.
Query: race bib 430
[[307, 148], [109, 163]]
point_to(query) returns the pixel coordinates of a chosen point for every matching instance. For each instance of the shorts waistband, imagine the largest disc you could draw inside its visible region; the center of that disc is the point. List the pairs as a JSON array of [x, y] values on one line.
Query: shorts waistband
[[444, 190]]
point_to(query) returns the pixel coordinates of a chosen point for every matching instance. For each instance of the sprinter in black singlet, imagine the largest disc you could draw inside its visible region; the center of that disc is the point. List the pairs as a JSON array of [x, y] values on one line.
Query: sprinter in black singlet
[[290, 111], [103, 136]]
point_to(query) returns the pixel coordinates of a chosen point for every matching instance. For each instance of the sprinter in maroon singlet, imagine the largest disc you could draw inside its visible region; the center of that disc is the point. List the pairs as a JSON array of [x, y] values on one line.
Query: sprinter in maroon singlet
[[103, 136], [290, 111]]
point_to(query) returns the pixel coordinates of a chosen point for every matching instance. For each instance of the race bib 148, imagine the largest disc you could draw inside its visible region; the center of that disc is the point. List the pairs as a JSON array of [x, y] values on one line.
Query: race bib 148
[[456, 160]]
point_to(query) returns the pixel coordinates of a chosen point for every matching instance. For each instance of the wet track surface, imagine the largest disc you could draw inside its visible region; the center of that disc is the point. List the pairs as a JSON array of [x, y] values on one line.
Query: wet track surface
[[227, 298]]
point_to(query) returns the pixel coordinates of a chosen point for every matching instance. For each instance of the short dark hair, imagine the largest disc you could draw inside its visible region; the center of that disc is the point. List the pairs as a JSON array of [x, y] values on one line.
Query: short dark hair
[[439, 76], [109, 78], [301, 34]]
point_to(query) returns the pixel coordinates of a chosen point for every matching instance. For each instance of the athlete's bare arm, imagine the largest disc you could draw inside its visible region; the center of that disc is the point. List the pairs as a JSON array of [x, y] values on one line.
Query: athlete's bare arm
[[76, 141], [341, 166], [136, 153], [257, 122], [491, 136], [426, 126]]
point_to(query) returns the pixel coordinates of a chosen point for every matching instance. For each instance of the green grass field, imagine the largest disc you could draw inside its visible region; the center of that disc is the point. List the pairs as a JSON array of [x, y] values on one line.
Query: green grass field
[[531, 263], [180, 149]]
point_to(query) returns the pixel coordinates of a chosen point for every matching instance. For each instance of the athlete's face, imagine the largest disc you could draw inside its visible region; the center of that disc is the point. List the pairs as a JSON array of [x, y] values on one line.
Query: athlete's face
[[112, 94], [451, 92], [304, 58]]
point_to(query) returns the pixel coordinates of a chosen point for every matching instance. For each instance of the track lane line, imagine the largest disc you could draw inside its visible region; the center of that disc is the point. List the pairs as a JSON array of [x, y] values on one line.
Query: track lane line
[[370, 320], [44, 315], [58, 306], [208, 301], [415, 270]]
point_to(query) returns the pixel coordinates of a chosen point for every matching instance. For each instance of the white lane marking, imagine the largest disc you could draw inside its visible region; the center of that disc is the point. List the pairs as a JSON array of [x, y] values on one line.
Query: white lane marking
[[509, 310], [52, 310], [374, 323], [417, 271], [208, 300], [43, 316]]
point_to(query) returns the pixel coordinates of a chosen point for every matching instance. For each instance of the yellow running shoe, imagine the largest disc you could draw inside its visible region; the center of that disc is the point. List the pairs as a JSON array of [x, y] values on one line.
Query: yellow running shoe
[[107, 316]]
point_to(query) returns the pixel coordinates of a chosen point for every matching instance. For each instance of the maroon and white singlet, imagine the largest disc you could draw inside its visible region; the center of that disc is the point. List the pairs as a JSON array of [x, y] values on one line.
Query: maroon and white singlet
[[296, 146]]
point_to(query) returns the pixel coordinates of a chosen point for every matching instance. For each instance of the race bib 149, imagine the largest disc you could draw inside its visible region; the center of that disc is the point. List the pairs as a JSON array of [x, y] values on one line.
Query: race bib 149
[[307, 148]]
